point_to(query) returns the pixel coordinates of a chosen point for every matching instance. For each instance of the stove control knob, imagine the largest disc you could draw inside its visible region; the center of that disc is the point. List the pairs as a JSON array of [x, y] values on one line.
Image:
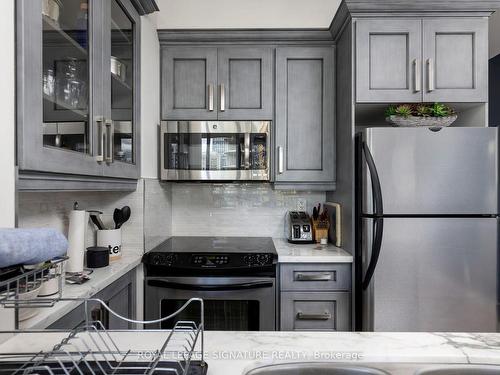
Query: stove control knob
[[250, 260], [263, 259], [155, 259], [169, 259]]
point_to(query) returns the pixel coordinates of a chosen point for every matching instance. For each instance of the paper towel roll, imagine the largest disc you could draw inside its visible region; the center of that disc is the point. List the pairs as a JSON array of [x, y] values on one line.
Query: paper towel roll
[[76, 239]]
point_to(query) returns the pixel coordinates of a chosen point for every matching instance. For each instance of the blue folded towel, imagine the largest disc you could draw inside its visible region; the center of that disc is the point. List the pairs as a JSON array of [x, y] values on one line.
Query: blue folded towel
[[30, 246]]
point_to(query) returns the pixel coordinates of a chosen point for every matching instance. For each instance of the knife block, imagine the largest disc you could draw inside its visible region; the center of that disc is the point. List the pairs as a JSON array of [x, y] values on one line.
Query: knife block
[[320, 229]]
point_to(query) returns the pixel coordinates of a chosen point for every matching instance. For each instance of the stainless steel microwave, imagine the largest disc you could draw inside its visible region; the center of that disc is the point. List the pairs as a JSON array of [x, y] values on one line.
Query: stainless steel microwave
[[215, 150]]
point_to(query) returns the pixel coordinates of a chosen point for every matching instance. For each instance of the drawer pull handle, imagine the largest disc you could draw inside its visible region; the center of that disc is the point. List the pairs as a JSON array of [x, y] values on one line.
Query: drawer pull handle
[[314, 277], [322, 316]]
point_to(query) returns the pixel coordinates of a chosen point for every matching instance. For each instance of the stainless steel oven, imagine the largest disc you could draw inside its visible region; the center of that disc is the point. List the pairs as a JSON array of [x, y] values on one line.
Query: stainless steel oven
[[235, 277], [231, 303], [215, 150]]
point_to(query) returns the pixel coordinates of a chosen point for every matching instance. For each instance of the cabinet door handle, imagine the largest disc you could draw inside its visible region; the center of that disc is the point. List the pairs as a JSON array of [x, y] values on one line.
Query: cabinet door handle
[[100, 139], [210, 97], [281, 167], [110, 141], [430, 75], [418, 76], [222, 97], [319, 316], [314, 277]]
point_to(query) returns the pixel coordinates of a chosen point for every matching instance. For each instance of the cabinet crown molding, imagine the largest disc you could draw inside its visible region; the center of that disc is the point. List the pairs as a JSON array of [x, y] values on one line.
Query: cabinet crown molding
[[244, 36], [145, 6], [361, 6]]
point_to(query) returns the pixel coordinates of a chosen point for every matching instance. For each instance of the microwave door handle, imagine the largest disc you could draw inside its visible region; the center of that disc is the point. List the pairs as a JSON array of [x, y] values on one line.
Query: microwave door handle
[[247, 151], [210, 287]]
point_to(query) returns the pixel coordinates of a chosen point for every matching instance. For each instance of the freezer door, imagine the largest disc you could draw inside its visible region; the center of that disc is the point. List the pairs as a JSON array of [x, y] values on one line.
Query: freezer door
[[451, 171], [433, 274]]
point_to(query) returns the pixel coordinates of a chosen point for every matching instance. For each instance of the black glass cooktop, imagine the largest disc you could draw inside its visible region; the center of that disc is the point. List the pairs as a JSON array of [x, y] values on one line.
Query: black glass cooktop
[[214, 245]]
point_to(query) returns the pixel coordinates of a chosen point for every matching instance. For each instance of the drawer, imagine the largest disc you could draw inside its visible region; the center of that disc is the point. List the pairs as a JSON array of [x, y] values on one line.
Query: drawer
[[315, 277], [321, 311]]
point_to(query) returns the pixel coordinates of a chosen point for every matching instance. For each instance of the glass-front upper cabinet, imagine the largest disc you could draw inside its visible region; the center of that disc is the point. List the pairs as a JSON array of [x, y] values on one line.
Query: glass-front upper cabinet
[[77, 103], [121, 86]]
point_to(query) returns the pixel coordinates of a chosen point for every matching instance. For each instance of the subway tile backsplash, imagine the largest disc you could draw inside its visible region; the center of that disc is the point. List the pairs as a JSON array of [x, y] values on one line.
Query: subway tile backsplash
[[252, 209], [52, 210], [157, 212], [160, 210]]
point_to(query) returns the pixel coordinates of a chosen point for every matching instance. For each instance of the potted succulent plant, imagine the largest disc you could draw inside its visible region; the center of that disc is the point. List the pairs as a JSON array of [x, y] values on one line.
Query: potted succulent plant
[[412, 115]]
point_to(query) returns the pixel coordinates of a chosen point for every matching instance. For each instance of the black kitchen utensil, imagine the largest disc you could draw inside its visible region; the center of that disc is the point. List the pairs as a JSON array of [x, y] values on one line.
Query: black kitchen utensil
[[118, 217], [94, 216], [125, 213]]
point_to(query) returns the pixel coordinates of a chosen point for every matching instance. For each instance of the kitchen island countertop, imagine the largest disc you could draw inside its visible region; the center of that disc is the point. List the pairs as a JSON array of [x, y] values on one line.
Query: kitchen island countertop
[[234, 353]]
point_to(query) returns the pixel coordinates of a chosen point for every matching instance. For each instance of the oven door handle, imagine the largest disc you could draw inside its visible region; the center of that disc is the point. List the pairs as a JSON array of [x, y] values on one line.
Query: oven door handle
[[210, 287]]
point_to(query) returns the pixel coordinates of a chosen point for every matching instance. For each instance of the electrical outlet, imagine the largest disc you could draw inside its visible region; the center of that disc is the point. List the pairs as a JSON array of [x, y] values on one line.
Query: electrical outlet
[[301, 204]]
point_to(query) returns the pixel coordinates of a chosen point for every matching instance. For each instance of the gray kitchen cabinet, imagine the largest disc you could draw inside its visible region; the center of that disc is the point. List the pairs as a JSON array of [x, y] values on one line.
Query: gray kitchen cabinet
[[314, 277], [456, 59], [305, 120], [421, 60], [315, 296], [245, 83], [388, 59], [121, 89], [209, 83], [65, 91], [120, 296], [189, 83], [315, 311]]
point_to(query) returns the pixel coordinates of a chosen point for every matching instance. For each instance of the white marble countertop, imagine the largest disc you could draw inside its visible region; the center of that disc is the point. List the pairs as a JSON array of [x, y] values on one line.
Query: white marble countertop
[[234, 353], [100, 279], [310, 253]]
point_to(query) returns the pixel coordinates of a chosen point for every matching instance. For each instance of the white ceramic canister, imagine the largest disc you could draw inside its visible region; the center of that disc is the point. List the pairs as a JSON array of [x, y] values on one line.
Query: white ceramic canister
[[112, 239]]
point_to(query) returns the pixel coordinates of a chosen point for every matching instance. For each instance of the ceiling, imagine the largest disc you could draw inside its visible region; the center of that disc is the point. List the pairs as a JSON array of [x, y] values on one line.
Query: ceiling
[[245, 14]]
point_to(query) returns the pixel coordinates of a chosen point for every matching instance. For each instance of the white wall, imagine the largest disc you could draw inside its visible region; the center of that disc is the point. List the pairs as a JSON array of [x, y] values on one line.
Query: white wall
[[246, 13], [7, 109], [150, 96], [495, 34]]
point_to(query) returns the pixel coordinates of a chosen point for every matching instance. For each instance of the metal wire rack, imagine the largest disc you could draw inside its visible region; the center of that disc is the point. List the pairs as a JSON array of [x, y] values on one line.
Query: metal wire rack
[[91, 349], [14, 292]]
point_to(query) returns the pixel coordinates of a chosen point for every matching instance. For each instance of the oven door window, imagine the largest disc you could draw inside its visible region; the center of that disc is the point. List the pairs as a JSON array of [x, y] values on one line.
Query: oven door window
[[220, 315], [216, 151]]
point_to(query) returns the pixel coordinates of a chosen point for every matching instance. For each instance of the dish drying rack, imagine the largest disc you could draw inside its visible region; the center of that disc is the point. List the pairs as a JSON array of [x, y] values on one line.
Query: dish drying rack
[[94, 350], [12, 289]]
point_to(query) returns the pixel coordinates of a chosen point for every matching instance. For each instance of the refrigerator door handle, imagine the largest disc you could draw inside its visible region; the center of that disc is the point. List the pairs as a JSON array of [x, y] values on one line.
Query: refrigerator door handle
[[378, 224], [378, 207]]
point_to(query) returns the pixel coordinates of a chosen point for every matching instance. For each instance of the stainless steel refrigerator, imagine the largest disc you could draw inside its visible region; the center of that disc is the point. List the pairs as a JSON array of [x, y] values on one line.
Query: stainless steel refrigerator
[[427, 229]]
